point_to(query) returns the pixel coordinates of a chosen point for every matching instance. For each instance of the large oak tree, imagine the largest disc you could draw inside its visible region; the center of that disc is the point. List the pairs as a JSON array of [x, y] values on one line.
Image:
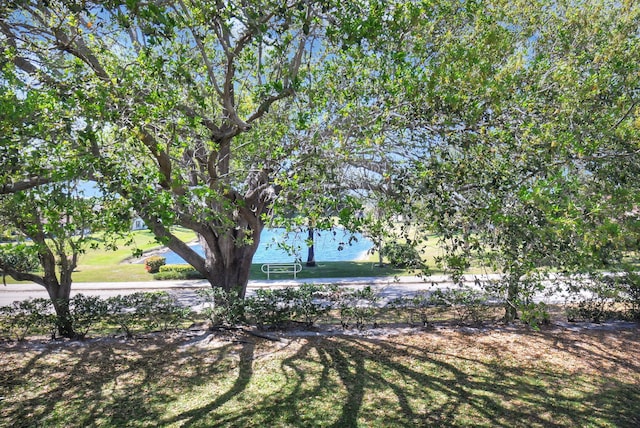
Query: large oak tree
[[189, 107]]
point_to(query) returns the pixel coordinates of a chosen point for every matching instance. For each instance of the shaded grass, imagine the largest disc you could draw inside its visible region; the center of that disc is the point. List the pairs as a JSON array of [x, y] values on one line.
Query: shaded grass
[[432, 378]]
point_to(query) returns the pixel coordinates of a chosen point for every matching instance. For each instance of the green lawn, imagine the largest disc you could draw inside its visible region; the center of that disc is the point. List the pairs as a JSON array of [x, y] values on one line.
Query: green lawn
[[430, 378], [125, 272], [102, 265]]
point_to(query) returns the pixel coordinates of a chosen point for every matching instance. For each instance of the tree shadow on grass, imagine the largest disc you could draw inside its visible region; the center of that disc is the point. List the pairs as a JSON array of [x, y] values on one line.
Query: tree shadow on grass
[[245, 371], [424, 380], [114, 383], [369, 382]]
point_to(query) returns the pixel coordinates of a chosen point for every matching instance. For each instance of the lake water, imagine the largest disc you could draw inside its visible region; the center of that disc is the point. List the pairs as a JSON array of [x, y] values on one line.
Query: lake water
[[329, 246]]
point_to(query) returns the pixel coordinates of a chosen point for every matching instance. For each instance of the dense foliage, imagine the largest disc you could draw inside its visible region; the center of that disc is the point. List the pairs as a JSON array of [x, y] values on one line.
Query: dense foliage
[[311, 305], [509, 129]]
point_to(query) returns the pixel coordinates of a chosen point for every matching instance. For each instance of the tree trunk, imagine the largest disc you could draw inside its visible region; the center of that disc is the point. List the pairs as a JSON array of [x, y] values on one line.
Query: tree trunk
[[228, 257], [227, 254], [380, 257], [59, 293], [513, 292], [59, 289], [311, 257]]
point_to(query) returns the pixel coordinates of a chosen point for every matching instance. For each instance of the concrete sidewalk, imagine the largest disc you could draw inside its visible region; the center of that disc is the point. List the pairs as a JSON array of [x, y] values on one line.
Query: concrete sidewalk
[[387, 287]]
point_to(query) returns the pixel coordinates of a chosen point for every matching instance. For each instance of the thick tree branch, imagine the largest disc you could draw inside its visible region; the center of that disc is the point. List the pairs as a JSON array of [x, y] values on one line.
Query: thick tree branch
[[21, 276], [25, 184], [170, 240]]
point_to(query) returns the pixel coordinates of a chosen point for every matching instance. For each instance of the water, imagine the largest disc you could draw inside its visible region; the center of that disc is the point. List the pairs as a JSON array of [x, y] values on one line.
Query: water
[[329, 246]]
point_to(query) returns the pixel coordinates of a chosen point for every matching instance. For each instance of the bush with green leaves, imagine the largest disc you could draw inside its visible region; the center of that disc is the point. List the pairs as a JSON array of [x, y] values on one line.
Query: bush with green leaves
[[467, 304], [310, 302], [160, 311], [306, 304], [600, 297], [5, 322], [358, 307], [416, 308], [152, 264], [269, 307], [402, 255], [26, 317], [626, 298], [631, 294], [222, 308], [86, 312], [145, 311], [174, 271], [593, 298], [534, 314], [122, 312]]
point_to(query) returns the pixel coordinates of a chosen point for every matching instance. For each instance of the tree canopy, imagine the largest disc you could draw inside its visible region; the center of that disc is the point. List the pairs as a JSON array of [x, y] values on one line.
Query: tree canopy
[[509, 128]]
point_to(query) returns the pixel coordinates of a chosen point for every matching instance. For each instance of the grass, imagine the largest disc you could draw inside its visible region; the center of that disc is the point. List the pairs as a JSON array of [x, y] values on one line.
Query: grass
[[515, 378], [118, 272], [103, 265]]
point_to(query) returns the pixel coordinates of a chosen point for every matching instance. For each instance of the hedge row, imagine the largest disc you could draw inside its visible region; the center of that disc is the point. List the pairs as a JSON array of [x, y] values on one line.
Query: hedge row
[[167, 272], [307, 304], [130, 314], [596, 298], [607, 297], [359, 308]]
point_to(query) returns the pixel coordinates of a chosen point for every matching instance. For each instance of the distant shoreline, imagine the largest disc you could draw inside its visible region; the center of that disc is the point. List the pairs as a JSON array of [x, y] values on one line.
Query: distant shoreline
[[164, 249]]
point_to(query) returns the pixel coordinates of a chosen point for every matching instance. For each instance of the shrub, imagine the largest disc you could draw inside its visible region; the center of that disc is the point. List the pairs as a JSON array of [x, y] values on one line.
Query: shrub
[[534, 314], [305, 304], [629, 283], [152, 264], [167, 272], [159, 310], [357, 307], [86, 311], [5, 322], [312, 301], [466, 303], [146, 311], [596, 298], [175, 268], [221, 307], [593, 298], [270, 307], [32, 316], [402, 255], [122, 312], [416, 307]]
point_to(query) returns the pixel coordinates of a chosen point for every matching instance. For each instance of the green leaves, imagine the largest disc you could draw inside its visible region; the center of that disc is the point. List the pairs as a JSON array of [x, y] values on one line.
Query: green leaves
[[496, 122]]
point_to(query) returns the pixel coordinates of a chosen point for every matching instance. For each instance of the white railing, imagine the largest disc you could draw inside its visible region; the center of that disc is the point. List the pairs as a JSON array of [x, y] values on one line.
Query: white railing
[[289, 268]]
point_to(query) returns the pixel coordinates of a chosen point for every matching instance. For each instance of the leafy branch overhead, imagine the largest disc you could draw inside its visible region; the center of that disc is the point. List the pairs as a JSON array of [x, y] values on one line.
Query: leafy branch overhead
[[183, 84], [510, 129]]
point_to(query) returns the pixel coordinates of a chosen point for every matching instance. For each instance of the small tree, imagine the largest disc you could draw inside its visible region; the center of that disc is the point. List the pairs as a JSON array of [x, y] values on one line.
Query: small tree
[[54, 221]]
